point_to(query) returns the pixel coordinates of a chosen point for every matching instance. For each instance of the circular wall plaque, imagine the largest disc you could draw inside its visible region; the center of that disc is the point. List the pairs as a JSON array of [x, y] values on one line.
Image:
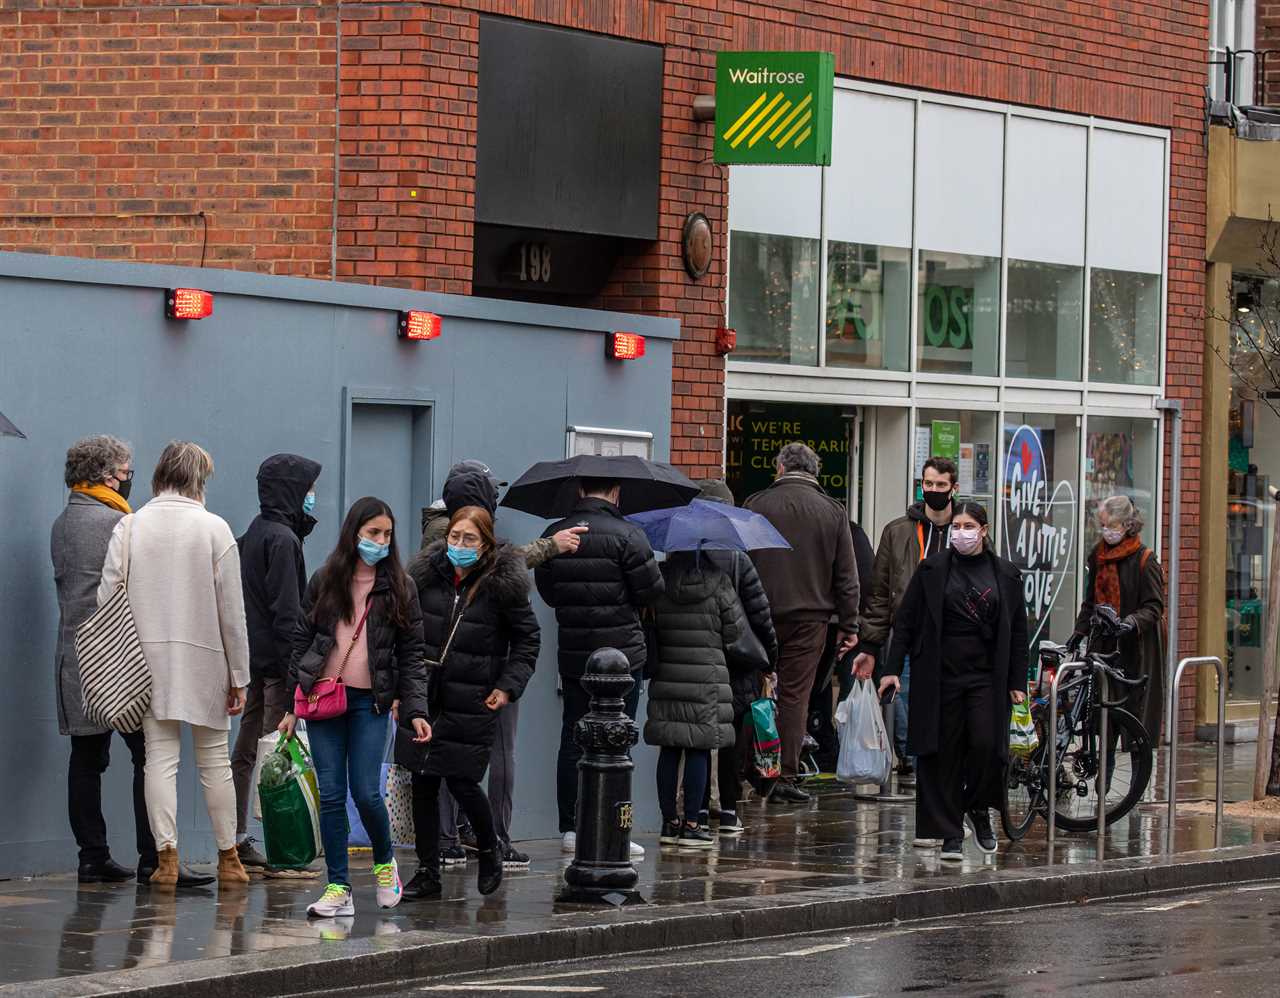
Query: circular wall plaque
[[697, 245]]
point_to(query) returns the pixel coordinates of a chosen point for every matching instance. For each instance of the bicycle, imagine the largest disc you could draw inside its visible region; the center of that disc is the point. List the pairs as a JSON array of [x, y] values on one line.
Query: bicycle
[[1130, 758]]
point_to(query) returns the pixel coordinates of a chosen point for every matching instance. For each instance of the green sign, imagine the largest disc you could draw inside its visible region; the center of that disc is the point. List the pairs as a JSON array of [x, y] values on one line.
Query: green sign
[[946, 439], [758, 430], [774, 107]]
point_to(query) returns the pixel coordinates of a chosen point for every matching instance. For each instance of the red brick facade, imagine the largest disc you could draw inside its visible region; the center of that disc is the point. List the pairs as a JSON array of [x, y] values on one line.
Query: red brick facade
[[159, 109], [1267, 36]]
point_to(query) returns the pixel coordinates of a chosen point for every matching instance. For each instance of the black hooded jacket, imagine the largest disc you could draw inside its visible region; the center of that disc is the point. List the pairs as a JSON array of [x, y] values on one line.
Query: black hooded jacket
[[495, 646], [272, 570], [599, 590]]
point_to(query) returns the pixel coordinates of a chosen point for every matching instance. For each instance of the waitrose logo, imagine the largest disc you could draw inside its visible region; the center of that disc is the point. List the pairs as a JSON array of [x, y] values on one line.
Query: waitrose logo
[[774, 107], [766, 76]]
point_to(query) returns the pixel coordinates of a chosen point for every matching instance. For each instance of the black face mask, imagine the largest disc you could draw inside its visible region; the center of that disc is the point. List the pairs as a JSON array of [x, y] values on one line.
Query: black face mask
[[124, 488], [937, 501]]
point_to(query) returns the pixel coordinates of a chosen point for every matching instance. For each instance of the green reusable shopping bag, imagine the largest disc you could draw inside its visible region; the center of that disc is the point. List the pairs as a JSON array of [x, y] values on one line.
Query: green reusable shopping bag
[[290, 808], [766, 746], [1023, 739]]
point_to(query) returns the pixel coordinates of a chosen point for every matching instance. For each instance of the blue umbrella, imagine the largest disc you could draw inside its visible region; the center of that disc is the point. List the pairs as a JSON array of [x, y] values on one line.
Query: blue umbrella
[[711, 525]]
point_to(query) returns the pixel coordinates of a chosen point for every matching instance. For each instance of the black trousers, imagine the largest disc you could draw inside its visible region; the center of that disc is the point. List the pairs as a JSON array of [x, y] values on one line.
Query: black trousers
[[575, 705], [730, 765], [90, 756], [426, 815], [965, 773]]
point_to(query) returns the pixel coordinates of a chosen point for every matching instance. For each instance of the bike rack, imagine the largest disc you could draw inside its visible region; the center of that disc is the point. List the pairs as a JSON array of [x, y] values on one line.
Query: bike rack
[[1171, 725], [1051, 801]]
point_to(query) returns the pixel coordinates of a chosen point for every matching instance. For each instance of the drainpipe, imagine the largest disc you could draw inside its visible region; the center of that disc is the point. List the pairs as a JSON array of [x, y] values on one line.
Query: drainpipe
[[1173, 407]]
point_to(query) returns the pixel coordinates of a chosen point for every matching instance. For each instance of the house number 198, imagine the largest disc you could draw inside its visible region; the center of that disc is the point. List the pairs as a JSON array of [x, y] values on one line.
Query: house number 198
[[535, 262]]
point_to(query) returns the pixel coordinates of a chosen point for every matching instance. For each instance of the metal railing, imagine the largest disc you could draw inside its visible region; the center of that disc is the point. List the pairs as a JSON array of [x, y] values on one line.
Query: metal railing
[[1099, 673], [1171, 725]]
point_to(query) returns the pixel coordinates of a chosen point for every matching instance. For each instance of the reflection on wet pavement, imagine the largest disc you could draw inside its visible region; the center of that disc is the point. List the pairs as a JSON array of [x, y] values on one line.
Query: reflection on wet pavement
[[50, 927]]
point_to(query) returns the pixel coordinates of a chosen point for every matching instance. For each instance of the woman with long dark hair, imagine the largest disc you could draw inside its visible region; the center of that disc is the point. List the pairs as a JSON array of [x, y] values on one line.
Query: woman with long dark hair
[[963, 621], [361, 625], [482, 641]]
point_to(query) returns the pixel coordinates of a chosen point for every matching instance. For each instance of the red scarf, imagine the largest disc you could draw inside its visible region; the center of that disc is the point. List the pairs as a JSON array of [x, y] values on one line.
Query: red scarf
[[1106, 580]]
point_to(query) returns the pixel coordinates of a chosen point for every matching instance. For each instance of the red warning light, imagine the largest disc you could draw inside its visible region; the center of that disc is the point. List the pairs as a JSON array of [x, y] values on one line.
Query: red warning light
[[188, 303], [415, 325], [624, 346]]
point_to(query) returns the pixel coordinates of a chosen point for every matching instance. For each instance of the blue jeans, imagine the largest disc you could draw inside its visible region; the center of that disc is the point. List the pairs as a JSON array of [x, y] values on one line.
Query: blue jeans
[[900, 710], [348, 750]]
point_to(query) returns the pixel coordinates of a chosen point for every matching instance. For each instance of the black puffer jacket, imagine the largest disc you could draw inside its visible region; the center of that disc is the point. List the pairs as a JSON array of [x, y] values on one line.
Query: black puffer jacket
[[396, 661], [272, 570], [690, 701], [495, 647], [597, 591], [741, 570]]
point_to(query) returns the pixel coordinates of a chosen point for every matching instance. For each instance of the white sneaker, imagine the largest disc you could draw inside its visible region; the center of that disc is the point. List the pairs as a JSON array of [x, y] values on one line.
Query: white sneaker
[[637, 850], [388, 877], [928, 843], [569, 843], [334, 902]]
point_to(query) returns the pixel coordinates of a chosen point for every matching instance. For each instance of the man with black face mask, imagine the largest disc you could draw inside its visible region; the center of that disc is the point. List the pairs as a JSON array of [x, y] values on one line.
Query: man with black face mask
[[904, 543], [273, 575]]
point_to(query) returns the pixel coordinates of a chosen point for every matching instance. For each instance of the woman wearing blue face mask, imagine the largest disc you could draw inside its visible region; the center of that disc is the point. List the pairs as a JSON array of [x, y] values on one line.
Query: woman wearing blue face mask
[[361, 626], [482, 645]]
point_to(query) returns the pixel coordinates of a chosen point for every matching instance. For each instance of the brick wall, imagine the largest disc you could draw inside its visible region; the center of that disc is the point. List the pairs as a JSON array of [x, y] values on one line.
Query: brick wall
[[160, 106], [121, 122], [1267, 36]]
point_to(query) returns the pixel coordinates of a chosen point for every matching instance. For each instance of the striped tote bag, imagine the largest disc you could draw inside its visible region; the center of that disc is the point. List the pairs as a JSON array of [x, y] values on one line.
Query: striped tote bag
[[114, 676]]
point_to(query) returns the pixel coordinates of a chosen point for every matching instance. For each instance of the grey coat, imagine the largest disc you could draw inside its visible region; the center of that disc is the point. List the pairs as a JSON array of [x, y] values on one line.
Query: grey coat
[[78, 546]]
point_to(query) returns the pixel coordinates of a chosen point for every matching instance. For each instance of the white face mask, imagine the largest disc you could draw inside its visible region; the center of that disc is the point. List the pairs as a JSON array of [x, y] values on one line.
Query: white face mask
[[1113, 535], [966, 540]]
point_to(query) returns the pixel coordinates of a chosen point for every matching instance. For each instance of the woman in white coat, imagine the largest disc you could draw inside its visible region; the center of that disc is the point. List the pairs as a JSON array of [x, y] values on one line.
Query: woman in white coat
[[184, 591]]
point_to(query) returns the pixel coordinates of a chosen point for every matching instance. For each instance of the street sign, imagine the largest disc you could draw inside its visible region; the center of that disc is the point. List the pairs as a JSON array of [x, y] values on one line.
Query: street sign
[[774, 107]]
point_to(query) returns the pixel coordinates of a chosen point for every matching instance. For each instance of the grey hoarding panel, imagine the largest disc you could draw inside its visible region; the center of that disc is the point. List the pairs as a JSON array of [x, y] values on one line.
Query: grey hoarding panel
[[281, 365]]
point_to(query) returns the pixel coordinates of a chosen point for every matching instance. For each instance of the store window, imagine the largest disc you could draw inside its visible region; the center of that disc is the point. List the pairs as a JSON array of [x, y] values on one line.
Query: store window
[[1038, 509], [966, 437], [1124, 327], [1120, 459], [958, 330], [773, 297], [1044, 321], [1253, 460], [868, 305]]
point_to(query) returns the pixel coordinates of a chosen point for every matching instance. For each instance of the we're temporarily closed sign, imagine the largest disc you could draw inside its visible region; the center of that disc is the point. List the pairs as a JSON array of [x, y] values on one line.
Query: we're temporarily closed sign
[[774, 107]]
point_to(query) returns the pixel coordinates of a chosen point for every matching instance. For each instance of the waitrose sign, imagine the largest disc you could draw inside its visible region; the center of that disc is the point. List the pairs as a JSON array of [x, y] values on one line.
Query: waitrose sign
[[774, 107]]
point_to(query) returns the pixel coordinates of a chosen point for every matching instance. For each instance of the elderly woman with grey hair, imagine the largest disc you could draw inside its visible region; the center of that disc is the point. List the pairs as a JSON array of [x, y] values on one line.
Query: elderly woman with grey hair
[[1126, 575], [99, 472]]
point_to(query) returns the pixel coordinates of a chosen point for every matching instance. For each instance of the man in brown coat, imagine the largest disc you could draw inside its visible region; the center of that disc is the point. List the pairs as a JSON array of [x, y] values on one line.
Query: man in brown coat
[[818, 577]]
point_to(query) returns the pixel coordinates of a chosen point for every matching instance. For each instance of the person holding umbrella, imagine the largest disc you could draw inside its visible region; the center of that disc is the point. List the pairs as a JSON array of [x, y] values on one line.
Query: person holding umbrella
[[713, 639], [598, 590]]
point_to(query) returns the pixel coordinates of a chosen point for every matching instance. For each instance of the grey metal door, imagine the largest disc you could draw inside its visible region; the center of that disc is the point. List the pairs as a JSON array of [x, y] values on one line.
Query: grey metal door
[[389, 456]]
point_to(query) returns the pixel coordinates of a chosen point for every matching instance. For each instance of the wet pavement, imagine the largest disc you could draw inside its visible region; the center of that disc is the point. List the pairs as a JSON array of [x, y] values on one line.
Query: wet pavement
[[1199, 943], [50, 927]]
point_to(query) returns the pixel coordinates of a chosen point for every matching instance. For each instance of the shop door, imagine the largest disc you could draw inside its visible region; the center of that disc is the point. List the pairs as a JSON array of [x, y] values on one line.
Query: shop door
[[758, 430]]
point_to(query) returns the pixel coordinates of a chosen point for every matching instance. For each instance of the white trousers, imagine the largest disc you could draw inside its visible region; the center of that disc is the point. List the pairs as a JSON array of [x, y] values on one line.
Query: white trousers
[[164, 746]]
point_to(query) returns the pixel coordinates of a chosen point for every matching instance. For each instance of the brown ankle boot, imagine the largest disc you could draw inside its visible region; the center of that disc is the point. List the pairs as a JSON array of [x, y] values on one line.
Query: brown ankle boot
[[229, 869], [166, 871]]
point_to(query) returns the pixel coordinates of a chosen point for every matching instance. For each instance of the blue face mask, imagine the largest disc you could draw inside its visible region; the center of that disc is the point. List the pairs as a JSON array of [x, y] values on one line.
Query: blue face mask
[[309, 503], [463, 557], [372, 553]]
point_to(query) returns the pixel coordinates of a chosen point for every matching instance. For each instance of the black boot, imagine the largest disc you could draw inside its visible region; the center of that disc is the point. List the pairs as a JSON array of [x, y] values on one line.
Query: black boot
[[106, 872], [490, 877], [425, 886]]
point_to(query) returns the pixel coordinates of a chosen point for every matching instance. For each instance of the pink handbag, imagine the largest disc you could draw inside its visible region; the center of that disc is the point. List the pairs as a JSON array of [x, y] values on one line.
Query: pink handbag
[[328, 697]]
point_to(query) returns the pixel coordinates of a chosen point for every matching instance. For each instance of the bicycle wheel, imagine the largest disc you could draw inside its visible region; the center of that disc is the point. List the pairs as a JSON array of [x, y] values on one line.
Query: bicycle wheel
[[1128, 774], [1023, 795]]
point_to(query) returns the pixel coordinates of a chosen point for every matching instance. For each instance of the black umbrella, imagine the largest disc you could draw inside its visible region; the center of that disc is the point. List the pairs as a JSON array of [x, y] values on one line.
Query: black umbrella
[[7, 429], [550, 488]]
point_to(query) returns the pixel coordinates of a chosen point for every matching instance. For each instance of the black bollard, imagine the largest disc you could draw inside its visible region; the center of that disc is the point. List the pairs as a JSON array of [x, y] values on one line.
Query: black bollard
[[601, 871]]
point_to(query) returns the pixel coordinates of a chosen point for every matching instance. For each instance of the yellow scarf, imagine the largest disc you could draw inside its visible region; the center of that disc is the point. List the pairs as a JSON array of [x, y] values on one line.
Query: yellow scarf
[[106, 496]]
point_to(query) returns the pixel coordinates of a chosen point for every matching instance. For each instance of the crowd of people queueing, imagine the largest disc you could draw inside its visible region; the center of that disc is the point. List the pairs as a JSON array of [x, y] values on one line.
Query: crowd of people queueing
[[447, 644]]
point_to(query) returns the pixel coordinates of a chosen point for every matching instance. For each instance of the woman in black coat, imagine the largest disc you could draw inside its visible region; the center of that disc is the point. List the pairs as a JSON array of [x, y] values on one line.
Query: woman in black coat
[[963, 621], [482, 646]]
